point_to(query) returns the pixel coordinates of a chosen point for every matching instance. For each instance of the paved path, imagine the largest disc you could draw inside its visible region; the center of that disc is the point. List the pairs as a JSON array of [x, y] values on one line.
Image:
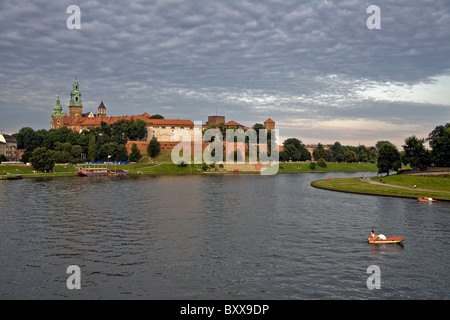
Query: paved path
[[369, 180]]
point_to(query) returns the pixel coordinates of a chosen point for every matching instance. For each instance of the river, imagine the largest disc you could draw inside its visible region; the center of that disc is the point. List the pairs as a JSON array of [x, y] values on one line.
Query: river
[[216, 237]]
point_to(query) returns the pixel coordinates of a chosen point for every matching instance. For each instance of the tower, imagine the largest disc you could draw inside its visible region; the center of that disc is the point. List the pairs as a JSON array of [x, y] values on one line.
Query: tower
[[269, 124], [75, 106], [101, 110], [57, 115]]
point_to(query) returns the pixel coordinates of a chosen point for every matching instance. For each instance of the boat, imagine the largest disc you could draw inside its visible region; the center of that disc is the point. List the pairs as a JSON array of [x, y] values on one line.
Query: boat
[[119, 172], [387, 240], [426, 199], [14, 177], [95, 172]]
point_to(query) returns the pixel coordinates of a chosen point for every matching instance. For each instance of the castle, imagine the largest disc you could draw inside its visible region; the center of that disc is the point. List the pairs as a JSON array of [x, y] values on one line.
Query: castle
[[162, 129]]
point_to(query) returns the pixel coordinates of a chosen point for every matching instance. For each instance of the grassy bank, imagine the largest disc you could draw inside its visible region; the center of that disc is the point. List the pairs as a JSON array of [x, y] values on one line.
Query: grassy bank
[[421, 182], [162, 164], [293, 167], [394, 186]]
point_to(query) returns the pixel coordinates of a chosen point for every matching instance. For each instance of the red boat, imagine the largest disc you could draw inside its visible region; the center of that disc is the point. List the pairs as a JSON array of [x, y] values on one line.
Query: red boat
[[387, 240], [426, 199]]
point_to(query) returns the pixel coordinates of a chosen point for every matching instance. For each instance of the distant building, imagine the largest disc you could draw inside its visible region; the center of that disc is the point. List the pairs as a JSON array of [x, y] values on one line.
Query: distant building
[[162, 129], [76, 120], [8, 147]]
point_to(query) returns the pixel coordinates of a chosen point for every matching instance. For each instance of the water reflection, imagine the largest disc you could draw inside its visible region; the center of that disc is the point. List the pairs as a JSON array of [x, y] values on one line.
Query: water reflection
[[215, 237]]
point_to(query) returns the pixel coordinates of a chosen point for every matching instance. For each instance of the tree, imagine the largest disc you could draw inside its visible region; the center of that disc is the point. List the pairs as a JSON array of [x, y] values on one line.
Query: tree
[[153, 148], [439, 140], [380, 143], [137, 129], [294, 150], [135, 153], [350, 156], [92, 148], [76, 152], [320, 152], [112, 151], [321, 162], [388, 158], [415, 153], [156, 116], [373, 155], [337, 152], [43, 159]]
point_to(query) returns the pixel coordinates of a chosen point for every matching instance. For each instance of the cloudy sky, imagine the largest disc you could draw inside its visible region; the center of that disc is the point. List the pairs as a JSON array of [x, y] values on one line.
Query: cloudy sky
[[314, 67]]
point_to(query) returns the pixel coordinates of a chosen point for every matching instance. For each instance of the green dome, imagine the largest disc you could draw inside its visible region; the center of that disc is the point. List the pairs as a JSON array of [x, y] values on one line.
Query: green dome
[[57, 109]]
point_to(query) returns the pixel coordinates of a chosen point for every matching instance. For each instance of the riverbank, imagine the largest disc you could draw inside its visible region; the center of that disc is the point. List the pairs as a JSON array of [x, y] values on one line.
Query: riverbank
[[405, 186], [163, 166]]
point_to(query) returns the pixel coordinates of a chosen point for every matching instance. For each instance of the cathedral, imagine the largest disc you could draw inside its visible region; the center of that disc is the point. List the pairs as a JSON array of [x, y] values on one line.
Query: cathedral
[[77, 120], [163, 129]]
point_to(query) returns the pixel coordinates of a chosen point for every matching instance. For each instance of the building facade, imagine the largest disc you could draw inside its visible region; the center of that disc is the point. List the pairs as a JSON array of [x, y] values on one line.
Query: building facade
[[77, 120], [163, 129], [8, 147]]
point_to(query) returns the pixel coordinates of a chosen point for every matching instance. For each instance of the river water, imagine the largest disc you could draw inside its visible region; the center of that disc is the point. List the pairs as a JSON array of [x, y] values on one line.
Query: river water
[[216, 237]]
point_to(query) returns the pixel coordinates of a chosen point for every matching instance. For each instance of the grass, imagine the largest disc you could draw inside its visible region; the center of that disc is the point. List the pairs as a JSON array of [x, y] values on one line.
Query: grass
[[421, 182], [440, 188], [28, 171], [162, 164], [292, 167]]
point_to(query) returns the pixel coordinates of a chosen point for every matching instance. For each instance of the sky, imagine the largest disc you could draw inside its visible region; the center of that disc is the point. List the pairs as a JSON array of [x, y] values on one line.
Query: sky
[[314, 67]]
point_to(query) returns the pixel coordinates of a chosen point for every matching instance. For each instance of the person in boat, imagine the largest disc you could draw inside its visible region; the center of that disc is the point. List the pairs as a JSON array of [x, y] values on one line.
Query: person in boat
[[373, 236]]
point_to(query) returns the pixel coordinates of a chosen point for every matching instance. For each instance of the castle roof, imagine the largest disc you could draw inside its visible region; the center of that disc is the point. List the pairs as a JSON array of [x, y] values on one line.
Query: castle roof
[[233, 123], [96, 121], [101, 106], [169, 122], [269, 120]]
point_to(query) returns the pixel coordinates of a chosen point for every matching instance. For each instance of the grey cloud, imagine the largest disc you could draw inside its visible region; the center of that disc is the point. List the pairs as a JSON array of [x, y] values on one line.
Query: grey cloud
[[245, 57]]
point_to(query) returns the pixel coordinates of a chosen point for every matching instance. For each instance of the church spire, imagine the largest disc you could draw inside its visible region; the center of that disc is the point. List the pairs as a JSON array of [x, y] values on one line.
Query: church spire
[[75, 106], [57, 109]]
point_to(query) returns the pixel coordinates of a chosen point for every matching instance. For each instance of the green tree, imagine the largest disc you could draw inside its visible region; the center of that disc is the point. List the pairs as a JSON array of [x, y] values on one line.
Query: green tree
[[61, 135], [337, 152], [135, 153], [294, 150], [416, 155], [321, 162], [320, 152], [388, 158], [29, 139], [380, 143], [92, 148], [153, 148], [156, 116], [439, 140], [43, 159], [76, 152], [350, 156], [112, 151], [373, 155], [137, 129]]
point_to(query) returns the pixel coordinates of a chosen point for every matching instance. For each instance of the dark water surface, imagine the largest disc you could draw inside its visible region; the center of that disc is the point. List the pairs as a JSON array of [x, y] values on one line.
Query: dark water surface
[[216, 237]]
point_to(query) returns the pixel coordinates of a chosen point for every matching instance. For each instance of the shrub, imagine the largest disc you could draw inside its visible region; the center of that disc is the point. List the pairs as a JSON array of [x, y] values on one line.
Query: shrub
[[321, 162]]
